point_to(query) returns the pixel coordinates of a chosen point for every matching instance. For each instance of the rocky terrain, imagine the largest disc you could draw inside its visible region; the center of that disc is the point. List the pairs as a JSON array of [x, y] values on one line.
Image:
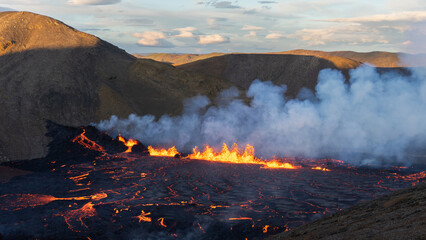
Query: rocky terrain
[[400, 215], [50, 71]]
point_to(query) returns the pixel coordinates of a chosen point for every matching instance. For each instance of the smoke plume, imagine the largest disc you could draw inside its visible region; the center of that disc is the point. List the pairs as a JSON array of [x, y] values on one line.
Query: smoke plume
[[370, 118]]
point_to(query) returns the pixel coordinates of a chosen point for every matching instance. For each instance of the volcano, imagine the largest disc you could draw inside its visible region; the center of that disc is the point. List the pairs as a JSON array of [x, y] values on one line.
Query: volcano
[[94, 186]]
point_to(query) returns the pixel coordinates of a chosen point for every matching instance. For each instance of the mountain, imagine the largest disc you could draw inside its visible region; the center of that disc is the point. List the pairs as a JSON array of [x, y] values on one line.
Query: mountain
[[400, 215], [296, 71], [51, 71]]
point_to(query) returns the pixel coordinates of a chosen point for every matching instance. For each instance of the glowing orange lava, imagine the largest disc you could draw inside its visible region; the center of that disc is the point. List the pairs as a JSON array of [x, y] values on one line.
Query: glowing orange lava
[[20, 201], [129, 143], [160, 221], [143, 217], [87, 143], [74, 218], [171, 152], [321, 169], [236, 156], [276, 164], [265, 228], [240, 218], [415, 177]]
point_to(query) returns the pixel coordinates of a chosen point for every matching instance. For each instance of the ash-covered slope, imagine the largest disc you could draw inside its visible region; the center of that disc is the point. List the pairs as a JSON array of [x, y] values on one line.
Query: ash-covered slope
[[400, 215], [50, 71], [296, 71]]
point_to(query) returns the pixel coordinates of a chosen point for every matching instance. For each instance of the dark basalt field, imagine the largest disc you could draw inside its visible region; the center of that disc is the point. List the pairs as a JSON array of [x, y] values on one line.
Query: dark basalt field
[[88, 188]]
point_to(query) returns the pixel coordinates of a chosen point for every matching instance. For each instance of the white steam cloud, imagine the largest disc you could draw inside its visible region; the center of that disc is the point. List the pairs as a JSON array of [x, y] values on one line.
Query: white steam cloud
[[379, 115]]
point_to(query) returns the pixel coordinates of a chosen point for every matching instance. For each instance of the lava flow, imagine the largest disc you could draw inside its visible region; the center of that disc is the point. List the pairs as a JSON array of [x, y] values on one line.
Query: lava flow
[[202, 196], [87, 143], [171, 152], [128, 143], [226, 155]]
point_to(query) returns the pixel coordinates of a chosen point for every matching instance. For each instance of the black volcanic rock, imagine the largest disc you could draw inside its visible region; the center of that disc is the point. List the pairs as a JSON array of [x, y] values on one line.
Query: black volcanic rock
[[75, 145], [50, 71]]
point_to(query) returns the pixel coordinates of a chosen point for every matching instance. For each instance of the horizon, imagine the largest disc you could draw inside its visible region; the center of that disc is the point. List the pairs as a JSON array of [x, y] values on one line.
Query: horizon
[[200, 27]]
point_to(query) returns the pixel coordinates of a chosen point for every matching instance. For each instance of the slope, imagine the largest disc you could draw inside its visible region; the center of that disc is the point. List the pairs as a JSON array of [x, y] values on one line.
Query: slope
[[400, 215]]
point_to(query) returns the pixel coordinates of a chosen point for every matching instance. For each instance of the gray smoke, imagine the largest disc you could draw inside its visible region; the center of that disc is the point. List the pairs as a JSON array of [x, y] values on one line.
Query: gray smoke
[[374, 116]]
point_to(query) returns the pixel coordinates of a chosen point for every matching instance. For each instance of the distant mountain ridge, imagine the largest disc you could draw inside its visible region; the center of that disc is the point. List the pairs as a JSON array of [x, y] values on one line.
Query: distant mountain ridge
[[339, 58], [178, 59]]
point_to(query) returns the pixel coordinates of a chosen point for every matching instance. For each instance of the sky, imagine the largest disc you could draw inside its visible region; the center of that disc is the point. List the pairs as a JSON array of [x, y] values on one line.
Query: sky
[[204, 26]]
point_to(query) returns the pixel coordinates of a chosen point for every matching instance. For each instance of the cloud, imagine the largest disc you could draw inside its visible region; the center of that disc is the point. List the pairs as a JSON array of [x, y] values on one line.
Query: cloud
[[349, 34], [212, 39], [251, 28], [213, 22], [137, 21], [221, 4], [250, 11], [274, 36], [19, 2], [225, 4], [185, 32], [251, 34], [150, 38], [410, 16], [93, 2], [267, 2]]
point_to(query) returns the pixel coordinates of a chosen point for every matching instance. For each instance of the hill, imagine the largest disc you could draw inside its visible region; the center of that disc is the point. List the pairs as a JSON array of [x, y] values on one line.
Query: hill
[[296, 71], [379, 59], [400, 215], [50, 71], [178, 59], [340, 58]]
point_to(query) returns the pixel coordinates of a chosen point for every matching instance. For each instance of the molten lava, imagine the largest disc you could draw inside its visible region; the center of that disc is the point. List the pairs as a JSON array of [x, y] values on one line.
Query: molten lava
[[160, 221], [321, 169], [265, 228], [236, 156], [171, 152], [129, 143], [87, 143], [20, 201], [143, 217], [240, 218], [74, 218]]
